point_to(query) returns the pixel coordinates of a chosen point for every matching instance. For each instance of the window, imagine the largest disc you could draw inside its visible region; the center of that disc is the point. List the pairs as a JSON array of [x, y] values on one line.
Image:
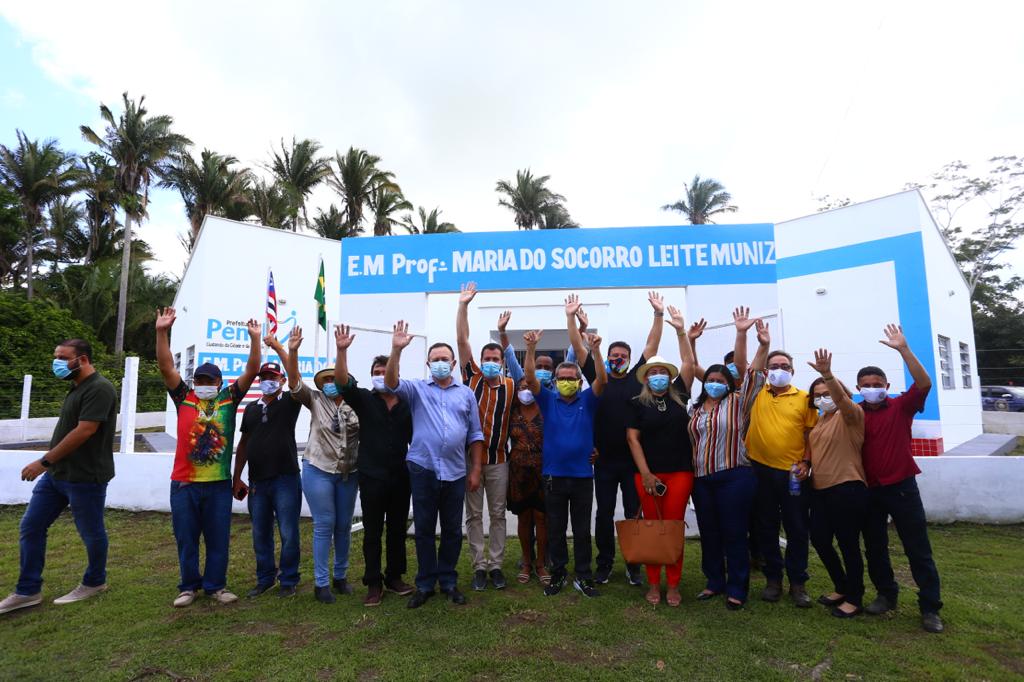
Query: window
[[945, 360], [965, 365], [190, 363], [177, 362]]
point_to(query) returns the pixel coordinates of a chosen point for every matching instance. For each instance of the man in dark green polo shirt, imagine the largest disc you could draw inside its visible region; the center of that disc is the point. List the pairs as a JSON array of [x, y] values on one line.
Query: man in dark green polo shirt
[[74, 471]]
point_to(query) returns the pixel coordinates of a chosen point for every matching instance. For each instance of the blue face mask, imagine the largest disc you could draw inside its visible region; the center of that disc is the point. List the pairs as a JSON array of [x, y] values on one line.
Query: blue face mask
[[439, 369], [61, 369], [715, 389], [732, 370], [491, 369], [658, 382], [330, 390], [544, 377]]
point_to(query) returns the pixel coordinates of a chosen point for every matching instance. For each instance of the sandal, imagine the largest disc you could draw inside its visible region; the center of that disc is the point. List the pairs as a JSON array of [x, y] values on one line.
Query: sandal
[[706, 595], [543, 576], [672, 597], [523, 577], [653, 596]]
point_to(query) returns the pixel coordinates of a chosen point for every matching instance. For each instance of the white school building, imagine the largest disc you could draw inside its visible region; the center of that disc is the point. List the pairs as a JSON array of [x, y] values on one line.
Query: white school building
[[832, 280]]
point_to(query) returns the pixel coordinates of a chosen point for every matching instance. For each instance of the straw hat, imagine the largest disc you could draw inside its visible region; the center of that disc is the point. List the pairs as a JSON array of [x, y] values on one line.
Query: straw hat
[[323, 376], [656, 361]]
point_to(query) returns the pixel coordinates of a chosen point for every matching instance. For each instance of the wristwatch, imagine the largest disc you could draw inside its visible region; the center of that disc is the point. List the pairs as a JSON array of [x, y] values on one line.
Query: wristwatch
[[45, 462]]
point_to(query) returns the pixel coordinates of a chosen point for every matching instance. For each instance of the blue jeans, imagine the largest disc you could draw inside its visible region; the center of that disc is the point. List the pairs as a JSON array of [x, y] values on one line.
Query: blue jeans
[[277, 498], [332, 501], [775, 507], [202, 509], [722, 501], [431, 499], [49, 498]]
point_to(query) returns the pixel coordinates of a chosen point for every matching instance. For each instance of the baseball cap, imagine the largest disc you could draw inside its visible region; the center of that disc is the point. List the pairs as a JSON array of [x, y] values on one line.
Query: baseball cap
[[270, 368], [208, 369]]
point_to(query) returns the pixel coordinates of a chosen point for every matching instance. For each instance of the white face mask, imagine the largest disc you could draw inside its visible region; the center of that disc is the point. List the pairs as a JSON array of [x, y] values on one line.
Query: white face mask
[[526, 397], [206, 392], [825, 403], [873, 395], [269, 386], [378, 383], [779, 378]]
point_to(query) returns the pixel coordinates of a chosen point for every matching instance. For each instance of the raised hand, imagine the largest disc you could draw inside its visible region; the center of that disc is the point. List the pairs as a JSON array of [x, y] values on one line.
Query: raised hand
[[343, 337], [741, 318], [583, 319], [400, 337], [572, 304], [675, 319], [467, 293], [696, 329], [503, 320], [295, 339], [255, 332], [657, 301], [165, 319], [594, 342], [822, 362], [763, 336], [894, 337], [533, 337], [270, 341]]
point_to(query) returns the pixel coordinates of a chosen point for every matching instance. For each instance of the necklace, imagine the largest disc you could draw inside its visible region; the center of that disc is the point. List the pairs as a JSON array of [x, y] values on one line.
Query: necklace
[[661, 404]]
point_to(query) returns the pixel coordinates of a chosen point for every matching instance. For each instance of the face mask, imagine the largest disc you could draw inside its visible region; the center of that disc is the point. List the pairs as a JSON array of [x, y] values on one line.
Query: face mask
[[61, 369], [269, 386], [825, 404], [568, 387], [490, 369], [715, 389], [330, 390], [439, 369], [616, 365], [206, 392], [658, 382], [378, 383], [544, 377], [733, 371], [779, 378], [526, 397], [874, 395]]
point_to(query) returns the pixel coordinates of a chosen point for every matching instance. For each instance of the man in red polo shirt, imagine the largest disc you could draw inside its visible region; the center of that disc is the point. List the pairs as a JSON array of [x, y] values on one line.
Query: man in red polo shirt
[[892, 484]]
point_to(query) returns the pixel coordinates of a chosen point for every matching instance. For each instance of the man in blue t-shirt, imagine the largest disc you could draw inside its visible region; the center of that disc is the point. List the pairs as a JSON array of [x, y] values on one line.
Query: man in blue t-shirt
[[567, 470]]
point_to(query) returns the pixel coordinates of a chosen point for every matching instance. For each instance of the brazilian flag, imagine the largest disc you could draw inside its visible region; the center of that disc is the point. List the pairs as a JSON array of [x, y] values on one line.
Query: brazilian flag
[[321, 298]]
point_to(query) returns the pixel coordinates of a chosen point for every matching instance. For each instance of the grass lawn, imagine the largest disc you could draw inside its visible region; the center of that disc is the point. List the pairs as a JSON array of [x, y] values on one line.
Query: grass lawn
[[132, 632]]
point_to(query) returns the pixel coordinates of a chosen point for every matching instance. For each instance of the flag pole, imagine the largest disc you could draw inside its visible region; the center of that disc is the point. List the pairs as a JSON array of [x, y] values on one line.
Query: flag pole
[[263, 308], [316, 333]]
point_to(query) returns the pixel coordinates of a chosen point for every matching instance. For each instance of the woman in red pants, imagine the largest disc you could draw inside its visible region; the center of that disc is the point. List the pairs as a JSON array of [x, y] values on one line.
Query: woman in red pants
[[662, 453]]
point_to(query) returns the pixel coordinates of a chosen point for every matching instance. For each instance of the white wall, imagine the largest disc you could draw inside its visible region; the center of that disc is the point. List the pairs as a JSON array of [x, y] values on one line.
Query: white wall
[[41, 428]]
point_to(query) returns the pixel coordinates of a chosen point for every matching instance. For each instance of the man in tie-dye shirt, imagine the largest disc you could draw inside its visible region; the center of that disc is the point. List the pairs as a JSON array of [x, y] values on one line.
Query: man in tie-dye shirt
[[201, 478]]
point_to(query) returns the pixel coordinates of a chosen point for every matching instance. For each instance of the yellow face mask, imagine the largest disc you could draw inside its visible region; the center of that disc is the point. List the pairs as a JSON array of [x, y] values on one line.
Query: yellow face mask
[[567, 387]]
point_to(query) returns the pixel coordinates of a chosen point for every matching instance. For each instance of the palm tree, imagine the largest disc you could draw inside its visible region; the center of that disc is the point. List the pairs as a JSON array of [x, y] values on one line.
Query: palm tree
[[556, 217], [138, 144], [331, 224], [704, 198], [70, 238], [299, 170], [527, 198], [37, 173], [271, 204], [209, 186], [355, 178], [98, 180], [429, 223], [385, 203]]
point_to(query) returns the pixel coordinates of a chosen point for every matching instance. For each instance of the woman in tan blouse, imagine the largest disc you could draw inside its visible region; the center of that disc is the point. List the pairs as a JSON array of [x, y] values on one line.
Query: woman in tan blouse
[[839, 501]]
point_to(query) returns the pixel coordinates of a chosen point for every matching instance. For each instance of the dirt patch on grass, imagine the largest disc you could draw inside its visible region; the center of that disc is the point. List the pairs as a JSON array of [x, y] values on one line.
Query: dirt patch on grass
[[159, 674], [1012, 660], [525, 617], [607, 657]]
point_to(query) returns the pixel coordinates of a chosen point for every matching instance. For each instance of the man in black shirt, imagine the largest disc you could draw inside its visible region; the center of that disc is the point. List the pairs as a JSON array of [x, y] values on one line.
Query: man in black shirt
[[614, 468], [275, 491], [385, 429]]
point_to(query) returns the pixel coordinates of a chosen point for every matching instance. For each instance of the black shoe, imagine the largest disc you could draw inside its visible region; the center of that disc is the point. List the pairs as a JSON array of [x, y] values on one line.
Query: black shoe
[[323, 595], [479, 583], [418, 599], [707, 595], [772, 592], [585, 587], [454, 596], [733, 605], [498, 579], [286, 591], [825, 601], [258, 590], [341, 586], [881, 605], [799, 596], [634, 577], [555, 586], [839, 613], [602, 575], [931, 622]]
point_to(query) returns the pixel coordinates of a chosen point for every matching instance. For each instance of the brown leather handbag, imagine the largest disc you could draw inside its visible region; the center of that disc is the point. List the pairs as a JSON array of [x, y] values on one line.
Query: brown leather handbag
[[651, 541]]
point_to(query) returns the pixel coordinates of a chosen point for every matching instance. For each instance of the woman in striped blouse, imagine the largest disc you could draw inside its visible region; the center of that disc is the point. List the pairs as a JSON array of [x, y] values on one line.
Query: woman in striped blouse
[[724, 484]]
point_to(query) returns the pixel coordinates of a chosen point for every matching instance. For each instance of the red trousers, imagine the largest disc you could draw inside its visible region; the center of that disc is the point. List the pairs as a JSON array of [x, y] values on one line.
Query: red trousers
[[672, 506]]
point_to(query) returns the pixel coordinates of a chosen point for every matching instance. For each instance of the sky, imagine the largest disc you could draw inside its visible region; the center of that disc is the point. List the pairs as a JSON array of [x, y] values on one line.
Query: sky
[[620, 103]]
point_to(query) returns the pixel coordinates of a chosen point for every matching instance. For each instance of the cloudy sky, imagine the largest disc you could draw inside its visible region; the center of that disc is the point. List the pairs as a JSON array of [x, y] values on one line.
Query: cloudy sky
[[619, 102]]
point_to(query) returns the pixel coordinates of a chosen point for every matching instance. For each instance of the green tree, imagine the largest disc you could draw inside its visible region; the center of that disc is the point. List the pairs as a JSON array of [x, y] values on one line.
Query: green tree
[[430, 223], [527, 198], [299, 170], [210, 186], [356, 177], [12, 227], [331, 224], [271, 204], [98, 181], [705, 198], [38, 173], [385, 203], [68, 233], [556, 217], [137, 144]]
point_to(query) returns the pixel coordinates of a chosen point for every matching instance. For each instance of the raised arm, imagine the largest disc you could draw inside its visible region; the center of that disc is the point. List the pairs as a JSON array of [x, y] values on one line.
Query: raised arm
[[601, 380], [764, 338], [252, 366], [687, 363], [692, 334], [400, 339], [289, 357], [515, 370], [164, 360], [822, 364], [895, 339], [572, 306], [657, 302], [462, 324], [531, 339], [342, 340], [741, 318]]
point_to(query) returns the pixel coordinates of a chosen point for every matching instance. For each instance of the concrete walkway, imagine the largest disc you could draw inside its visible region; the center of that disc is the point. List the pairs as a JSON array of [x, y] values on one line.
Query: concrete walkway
[[987, 444]]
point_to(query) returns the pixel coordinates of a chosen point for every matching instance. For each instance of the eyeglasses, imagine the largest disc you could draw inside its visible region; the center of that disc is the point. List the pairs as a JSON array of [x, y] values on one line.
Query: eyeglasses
[[788, 368], [336, 423]]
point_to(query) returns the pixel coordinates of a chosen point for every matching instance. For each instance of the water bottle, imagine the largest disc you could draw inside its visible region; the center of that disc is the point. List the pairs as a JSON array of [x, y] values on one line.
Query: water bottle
[[794, 482]]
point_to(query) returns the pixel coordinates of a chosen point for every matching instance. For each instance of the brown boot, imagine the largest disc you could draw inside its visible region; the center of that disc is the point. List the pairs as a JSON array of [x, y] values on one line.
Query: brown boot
[[375, 596]]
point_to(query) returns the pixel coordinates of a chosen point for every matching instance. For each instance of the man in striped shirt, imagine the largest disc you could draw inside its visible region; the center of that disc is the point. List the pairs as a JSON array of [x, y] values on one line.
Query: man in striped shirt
[[494, 394]]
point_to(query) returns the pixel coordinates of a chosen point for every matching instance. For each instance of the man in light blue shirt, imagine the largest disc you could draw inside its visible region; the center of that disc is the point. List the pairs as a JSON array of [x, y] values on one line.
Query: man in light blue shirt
[[445, 425]]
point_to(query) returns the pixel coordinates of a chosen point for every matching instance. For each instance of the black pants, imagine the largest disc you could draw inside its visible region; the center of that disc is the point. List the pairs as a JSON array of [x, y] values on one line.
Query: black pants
[[901, 501], [608, 480], [384, 503], [839, 512], [775, 507], [568, 499]]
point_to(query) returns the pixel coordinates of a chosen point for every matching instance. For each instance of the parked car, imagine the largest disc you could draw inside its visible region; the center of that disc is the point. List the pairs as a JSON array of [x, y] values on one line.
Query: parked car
[[1002, 398]]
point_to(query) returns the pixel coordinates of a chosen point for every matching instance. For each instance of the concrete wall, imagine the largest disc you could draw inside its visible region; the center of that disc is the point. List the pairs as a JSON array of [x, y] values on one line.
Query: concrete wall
[[1003, 422], [41, 428]]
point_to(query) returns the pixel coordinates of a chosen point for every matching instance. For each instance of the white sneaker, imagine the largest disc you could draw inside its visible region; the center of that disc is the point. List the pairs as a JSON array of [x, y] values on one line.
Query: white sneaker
[[185, 598], [224, 597], [80, 593], [15, 601]]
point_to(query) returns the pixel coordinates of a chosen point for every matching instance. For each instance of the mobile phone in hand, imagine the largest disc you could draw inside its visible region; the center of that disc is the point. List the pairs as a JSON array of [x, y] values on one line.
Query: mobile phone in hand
[[660, 489]]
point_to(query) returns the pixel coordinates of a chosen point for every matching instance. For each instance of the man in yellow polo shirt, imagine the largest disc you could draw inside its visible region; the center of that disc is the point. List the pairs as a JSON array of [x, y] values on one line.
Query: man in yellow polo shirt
[[780, 419]]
